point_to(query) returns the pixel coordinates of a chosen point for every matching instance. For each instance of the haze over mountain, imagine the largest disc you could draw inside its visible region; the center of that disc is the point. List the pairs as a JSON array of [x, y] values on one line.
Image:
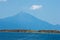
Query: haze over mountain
[[25, 21]]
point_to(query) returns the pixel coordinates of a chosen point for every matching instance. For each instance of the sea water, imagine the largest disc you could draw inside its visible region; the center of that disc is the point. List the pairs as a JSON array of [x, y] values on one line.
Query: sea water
[[28, 36]]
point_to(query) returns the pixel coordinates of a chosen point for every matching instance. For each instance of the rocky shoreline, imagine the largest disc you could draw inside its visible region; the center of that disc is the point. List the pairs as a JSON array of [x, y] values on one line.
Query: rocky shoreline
[[39, 31]]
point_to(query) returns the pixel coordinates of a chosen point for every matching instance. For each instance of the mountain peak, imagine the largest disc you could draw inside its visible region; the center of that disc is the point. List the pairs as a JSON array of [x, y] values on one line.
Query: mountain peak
[[24, 20], [22, 14]]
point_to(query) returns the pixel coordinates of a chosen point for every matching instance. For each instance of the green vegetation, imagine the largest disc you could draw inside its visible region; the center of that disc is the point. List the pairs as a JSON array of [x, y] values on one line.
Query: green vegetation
[[32, 31]]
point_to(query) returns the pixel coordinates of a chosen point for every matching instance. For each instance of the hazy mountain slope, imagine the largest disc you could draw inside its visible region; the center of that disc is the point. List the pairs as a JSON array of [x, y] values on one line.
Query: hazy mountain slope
[[25, 21]]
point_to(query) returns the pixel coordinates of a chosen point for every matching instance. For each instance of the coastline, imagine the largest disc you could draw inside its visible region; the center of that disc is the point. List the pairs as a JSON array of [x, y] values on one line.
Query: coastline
[[33, 31]]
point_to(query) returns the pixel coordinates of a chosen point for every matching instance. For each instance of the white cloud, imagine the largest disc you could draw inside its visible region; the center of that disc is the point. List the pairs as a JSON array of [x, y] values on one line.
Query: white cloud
[[36, 7], [3, 0]]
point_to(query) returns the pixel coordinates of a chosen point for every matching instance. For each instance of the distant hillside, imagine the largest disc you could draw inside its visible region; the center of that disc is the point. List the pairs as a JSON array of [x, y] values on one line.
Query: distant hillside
[[25, 21]]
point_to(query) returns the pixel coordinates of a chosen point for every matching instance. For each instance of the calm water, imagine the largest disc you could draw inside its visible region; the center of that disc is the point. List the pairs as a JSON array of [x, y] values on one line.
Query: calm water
[[28, 36]]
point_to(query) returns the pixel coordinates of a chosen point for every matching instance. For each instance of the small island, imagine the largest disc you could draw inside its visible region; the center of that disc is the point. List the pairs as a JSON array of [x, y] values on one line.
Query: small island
[[32, 31], [18, 31], [49, 31]]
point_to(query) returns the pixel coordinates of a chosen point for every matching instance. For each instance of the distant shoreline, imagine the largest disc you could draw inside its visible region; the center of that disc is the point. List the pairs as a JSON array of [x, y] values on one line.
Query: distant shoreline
[[32, 31]]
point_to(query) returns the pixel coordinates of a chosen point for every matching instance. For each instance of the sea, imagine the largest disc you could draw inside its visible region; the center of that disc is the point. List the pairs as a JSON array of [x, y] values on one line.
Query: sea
[[28, 36]]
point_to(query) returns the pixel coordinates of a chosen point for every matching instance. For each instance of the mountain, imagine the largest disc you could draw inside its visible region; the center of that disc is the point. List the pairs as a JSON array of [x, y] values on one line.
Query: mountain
[[57, 25], [25, 21]]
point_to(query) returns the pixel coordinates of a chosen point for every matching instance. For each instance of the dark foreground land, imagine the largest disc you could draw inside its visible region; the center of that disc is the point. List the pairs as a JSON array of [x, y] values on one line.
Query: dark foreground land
[[32, 31]]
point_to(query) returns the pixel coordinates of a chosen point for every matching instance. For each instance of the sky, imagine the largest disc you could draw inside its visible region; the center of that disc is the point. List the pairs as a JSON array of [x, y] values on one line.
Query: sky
[[46, 10]]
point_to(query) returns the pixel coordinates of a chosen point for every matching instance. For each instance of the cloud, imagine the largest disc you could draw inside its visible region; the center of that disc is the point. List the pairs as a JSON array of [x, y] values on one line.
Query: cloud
[[36, 7], [3, 0]]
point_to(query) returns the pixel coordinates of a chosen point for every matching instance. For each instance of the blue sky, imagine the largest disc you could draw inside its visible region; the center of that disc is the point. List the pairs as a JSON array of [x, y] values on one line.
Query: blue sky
[[46, 10]]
